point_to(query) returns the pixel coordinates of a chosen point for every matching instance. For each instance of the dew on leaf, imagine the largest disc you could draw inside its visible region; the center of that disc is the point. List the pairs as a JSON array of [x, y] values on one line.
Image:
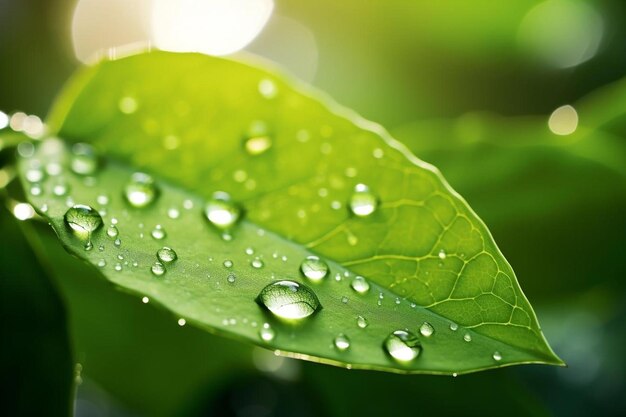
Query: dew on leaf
[[257, 263], [360, 285], [166, 255], [289, 300], [362, 202], [221, 211], [454, 327], [341, 342], [467, 337], [102, 263], [112, 231], [145, 300], [266, 333], [182, 322], [442, 254], [231, 278], [118, 267], [228, 263], [141, 190], [158, 269], [257, 140], [361, 322], [34, 175], [83, 220], [314, 268], [427, 329], [344, 299], [173, 213], [402, 346], [497, 356], [117, 242], [158, 232], [84, 159]]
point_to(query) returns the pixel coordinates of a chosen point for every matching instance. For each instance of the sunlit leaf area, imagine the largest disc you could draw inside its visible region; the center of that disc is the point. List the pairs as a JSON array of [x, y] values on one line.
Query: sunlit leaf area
[[290, 208]]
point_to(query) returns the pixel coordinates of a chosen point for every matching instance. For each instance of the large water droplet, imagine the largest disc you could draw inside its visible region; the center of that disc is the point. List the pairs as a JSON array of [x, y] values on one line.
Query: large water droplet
[[221, 211], [403, 346], [363, 202], [83, 220], [166, 255], [140, 190], [84, 159], [427, 329], [314, 268], [289, 300], [360, 285], [266, 333], [342, 342]]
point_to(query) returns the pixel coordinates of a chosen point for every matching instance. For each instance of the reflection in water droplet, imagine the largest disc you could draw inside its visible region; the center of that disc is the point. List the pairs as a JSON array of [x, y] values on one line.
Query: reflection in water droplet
[[158, 232], [342, 342], [84, 159], [221, 211], [497, 356], [158, 269], [83, 220], [362, 202], [467, 337], [360, 285], [361, 322], [314, 268], [166, 255], [289, 300], [140, 190], [426, 329], [403, 346], [266, 333]]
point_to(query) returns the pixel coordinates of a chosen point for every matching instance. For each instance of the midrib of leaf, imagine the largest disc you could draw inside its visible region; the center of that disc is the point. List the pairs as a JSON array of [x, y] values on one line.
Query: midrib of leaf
[[539, 347]]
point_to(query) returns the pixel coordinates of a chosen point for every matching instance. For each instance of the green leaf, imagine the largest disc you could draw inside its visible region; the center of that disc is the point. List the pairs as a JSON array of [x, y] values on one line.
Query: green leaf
[[187, 119], [35, 356]]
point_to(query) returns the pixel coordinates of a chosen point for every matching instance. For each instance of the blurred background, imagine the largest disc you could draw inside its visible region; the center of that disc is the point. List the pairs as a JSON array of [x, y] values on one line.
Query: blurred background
[[520, 103]]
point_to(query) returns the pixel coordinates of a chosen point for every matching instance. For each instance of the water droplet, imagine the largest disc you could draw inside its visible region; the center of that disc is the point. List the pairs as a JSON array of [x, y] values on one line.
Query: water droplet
[[314, 268], [403, 346], [173, 213], [88, 245], [84, 159], [467, 337], [145, 300], [289, 300], [268, 88], [398, 301], [103, 199], [158, 232], [117, 242], [360, 285], [102, 263], [140, 190], [497, 356], [344, 299], [228, 263], [257, 263], [249, 251], [158, 269], [342, 342], [427, 329], [258, 139], [112, 231], [166, 255], [266, 333], [60, 188], [182, 322], [442, 254], [83, 220], [231, 278], [361, 322], [454, 327], [34, 175], [221, 211], [363, 202], [118, 267]]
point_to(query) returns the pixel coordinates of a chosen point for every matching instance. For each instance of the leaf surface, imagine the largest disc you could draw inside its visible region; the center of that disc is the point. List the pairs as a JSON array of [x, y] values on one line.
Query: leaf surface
[[188, 120]]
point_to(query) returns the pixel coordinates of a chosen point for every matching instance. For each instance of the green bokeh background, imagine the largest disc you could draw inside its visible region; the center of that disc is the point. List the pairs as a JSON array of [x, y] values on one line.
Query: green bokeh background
[[452, 81]]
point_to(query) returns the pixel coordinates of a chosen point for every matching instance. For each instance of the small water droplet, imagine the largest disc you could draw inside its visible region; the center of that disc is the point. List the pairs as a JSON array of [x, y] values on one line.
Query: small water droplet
[[361, 322], [145, 300], [342, 342], [84, 159], [221, 211], [427, 329], [360, 285], [314, 268], [497, 356], [102, 263], [88, 245], [103, 199], [454, 327], [34, 175], [60, 188], [158, 232], [257, 263], [117, 242], [166, 255], [258, 140], [158, 269], [83, 220], [442, 254], [37, 190], [398, 301], [289, 300], [467, 337], [267, 88], [141, 190], [112, 231], [228, 263], [118, 267], [231, 278], [362, 202], [182, 322], [266, 332], [403, 346], [173, 213]]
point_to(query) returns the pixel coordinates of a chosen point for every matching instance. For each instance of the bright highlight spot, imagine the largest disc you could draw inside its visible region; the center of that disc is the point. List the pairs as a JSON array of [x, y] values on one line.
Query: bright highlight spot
[[561, 33], [213, 27], [182, 322], [4, 120], [23, 211], [563, 121]]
